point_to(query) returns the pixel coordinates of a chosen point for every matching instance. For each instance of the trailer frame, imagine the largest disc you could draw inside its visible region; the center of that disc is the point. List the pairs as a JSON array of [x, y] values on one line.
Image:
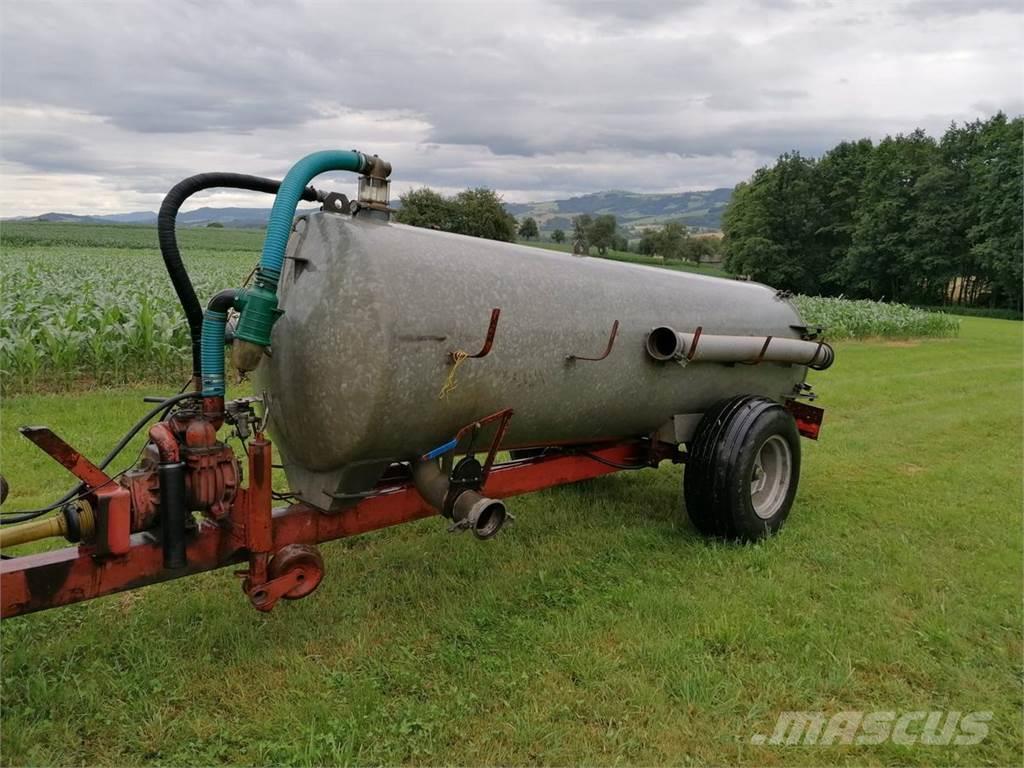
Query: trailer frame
[[279, 545]]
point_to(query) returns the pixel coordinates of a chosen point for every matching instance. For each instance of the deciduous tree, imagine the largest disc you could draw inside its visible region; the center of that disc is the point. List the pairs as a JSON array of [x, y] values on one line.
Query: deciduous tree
[[528, 228], [601, 232]]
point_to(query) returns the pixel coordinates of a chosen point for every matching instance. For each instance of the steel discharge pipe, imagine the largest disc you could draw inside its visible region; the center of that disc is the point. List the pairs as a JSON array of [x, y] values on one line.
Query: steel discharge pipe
[[665, 343]]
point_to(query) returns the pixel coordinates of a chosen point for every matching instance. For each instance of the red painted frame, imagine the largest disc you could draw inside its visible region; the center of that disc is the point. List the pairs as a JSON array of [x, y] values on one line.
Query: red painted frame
[[36, 582]]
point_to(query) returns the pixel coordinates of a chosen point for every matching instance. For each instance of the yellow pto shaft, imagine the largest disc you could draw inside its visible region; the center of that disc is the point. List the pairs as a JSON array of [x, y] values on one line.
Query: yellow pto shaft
[[34, 530]]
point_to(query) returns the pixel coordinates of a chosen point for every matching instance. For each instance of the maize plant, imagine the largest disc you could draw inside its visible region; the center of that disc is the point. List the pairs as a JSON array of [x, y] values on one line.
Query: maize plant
[[92, 303], [83, 303]]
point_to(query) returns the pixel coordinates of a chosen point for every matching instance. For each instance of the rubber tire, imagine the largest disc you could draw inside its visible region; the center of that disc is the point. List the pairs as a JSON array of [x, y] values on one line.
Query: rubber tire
[[720, 462]]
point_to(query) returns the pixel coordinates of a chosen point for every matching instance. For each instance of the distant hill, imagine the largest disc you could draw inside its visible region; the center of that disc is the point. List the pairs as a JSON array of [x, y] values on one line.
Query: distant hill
[[698, 210], [237, 218]]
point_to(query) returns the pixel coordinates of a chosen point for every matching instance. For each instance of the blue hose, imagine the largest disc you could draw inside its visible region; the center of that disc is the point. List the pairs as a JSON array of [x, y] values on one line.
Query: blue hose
[[212, 352], [211, 346], [281, 215], [258, 302]]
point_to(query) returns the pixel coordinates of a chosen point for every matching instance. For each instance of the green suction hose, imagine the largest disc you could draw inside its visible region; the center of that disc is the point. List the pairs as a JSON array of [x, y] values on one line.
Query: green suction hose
[[260, 310]]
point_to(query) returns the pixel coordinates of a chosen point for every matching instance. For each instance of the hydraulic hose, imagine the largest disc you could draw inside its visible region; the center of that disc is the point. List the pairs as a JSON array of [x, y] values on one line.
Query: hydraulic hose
[[166, 221]]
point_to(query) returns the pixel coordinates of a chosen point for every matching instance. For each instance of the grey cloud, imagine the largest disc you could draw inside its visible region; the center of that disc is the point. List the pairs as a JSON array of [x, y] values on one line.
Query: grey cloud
[[1011, 107], [652, 11], [67, 154], [203, 77], [529, 96], [960, 7], [48, 153], [739, 99], [181, 75], [649, 11]]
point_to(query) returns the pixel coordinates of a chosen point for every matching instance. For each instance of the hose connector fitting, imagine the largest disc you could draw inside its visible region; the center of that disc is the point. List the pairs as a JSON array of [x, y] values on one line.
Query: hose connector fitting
[[259, 312]]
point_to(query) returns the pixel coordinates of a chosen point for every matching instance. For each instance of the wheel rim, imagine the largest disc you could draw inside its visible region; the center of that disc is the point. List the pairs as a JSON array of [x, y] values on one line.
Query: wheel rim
[[769, 480]]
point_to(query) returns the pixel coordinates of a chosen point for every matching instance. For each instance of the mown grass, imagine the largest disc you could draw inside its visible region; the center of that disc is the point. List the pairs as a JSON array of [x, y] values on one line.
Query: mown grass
[[599, 629], [996, 312]]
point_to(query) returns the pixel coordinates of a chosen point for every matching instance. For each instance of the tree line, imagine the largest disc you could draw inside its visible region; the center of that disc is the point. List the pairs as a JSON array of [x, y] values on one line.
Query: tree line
[[479, 212], [911, 219], [674, 242]]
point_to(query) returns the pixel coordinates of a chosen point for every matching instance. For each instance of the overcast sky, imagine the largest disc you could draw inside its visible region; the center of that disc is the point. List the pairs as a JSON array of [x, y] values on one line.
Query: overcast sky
[[105, 105]]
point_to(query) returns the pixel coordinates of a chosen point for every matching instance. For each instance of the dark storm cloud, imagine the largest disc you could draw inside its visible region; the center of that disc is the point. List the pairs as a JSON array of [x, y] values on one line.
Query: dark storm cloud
[[530, 96]]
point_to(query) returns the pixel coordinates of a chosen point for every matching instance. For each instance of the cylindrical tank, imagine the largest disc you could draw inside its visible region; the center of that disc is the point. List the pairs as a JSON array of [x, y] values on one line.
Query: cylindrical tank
[[372, 311]]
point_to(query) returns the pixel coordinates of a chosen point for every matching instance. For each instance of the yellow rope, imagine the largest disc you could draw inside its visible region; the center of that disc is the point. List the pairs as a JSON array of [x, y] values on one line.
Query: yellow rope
[[449, 383]]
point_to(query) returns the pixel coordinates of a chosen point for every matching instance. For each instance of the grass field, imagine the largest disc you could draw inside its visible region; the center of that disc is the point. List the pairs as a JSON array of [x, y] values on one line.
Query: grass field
[[599, 629]]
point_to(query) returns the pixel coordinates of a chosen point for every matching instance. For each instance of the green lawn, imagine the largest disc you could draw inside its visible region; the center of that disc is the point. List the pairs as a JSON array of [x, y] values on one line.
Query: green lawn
[[599, 629]]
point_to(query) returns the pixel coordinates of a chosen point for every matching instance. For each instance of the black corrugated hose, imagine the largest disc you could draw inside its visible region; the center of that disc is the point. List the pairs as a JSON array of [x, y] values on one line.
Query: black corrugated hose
[[165, 223]]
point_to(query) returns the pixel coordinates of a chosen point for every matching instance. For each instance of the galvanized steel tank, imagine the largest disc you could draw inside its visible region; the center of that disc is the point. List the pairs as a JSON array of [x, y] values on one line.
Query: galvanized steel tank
[[372, 310]]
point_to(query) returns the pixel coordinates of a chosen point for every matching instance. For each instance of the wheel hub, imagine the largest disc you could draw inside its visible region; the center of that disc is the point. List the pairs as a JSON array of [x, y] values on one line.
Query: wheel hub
[[771, 476]]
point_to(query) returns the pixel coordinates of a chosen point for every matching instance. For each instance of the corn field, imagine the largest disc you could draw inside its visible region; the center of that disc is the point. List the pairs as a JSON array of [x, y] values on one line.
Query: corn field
[[85, 304], [864, 319], [102, 310]]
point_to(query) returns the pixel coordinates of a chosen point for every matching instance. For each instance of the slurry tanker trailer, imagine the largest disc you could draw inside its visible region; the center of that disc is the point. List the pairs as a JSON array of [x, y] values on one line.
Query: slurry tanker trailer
[[393, 366]]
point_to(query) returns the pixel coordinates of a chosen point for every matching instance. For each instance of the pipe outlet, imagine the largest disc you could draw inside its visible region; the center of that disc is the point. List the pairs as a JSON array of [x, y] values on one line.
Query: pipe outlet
[[479, 514], [665, 343], [468, 509]]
